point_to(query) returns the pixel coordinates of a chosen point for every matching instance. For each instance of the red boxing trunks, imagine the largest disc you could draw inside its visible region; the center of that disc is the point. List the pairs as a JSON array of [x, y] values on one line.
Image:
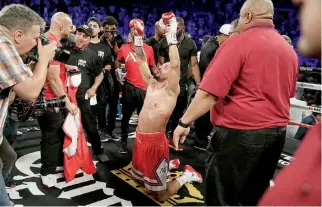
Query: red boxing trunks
[[150, 160]]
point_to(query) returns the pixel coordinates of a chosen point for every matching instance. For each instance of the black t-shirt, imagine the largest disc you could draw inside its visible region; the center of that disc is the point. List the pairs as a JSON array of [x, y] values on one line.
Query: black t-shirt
[[187, 49], [90, 66], [207, 53], [103, 51], [155, 45]]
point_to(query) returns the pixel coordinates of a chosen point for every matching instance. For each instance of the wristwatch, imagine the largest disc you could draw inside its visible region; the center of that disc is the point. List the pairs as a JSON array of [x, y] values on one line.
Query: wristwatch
[[183, 124]]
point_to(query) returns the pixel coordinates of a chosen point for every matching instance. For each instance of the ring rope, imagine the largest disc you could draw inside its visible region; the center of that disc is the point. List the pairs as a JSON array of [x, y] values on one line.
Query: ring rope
[[310, 69], [308, 108], [311, 86], [299, 124]]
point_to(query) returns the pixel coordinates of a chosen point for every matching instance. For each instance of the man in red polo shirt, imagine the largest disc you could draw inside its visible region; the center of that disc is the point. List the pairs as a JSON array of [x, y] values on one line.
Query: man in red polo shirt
[[52, 120], [134, 88], [248, 86], [299, 184]]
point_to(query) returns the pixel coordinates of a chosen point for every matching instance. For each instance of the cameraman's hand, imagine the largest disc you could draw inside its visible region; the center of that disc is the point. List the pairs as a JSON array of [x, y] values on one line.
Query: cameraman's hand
[[72, 108], [46, 52]]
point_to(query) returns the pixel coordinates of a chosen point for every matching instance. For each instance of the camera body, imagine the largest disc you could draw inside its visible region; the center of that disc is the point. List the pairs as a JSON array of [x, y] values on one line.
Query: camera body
[[21, 110], [62, 53]]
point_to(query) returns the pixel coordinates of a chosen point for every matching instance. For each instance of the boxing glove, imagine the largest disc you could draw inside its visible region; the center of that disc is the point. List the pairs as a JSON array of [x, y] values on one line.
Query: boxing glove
[[138, 26], [168, 25]]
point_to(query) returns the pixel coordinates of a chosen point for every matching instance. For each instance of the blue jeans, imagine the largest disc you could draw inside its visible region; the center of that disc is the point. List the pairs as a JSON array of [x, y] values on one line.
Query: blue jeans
[[10, 131], [4, 199]]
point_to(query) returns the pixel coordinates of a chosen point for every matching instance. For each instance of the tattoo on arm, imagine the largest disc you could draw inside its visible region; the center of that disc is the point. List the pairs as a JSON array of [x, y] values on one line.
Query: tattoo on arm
[[140, 53]]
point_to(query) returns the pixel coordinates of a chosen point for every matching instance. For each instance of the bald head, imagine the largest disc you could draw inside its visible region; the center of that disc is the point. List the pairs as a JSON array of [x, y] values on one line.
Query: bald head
[[254, 11], [259, 8], [61, 25], [60, 17]]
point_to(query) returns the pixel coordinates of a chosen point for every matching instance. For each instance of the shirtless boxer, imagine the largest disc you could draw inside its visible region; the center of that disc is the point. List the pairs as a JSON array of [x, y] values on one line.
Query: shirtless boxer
[[150, 160]]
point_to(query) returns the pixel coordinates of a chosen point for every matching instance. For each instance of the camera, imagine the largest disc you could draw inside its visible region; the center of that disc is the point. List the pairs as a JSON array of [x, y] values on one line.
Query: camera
[[62, 53], [21, 110]]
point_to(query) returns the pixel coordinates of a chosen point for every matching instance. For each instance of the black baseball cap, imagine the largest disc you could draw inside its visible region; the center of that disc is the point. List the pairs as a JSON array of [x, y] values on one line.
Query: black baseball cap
[[86, 29]]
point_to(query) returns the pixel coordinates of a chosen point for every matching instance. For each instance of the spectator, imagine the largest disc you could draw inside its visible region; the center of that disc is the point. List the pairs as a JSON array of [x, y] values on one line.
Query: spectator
[[312, 119]]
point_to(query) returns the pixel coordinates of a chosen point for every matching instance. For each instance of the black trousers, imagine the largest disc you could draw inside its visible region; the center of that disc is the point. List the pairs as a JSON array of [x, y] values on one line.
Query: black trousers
[[108, 93], [177, 113], [52, 139], [99, 110], [203, 127], [113, 102], [132, 98], [89, 123], [240, 164]]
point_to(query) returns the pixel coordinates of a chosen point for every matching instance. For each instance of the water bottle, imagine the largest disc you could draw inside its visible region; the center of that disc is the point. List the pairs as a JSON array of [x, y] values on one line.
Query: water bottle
[[123, 68]]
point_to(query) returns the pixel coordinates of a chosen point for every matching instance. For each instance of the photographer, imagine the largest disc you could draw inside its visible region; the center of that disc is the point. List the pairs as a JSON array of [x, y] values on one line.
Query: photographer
[[114, 41], [103, 51], [51, 121], [19, 33], [91, 77]]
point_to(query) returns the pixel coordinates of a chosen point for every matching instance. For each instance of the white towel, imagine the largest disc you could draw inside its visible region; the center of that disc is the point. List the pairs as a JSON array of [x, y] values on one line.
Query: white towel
[[71, 128]]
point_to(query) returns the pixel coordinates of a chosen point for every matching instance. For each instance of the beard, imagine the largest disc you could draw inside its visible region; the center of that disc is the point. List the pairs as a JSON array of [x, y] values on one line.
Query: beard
[[179, 33]]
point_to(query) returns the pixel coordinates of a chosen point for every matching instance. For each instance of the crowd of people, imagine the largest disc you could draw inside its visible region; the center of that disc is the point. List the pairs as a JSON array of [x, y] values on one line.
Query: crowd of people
[[152, 58], [202, 17]]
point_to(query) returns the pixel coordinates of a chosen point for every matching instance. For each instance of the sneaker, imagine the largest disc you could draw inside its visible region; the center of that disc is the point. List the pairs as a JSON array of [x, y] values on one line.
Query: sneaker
[[103, 158], [174, 164], [171, 145], [19, 133], [113, 137], [104, 137], [48, 180], [59, 168], [123, 149], [89, 144], [133, 122], [10, 184], [192, 174], [101, 131]]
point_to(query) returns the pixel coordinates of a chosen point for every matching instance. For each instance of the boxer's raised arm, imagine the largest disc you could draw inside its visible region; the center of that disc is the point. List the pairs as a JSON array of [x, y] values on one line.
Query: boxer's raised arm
[[143, 65], [168, 24], [174, 76]]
